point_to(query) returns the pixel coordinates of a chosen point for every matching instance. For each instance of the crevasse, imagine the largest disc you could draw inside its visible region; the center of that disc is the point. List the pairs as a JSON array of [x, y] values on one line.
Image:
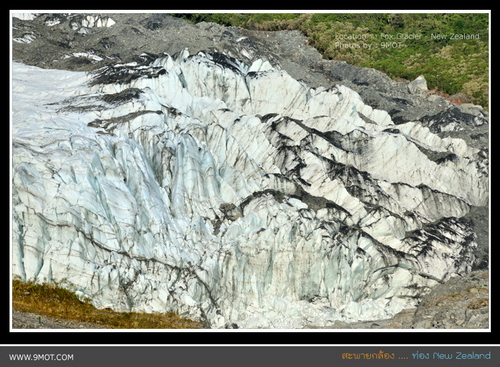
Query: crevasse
[[232, 194]]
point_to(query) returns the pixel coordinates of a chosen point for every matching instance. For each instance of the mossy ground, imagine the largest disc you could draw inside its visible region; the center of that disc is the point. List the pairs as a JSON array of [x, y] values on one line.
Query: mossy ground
[[55, 301]]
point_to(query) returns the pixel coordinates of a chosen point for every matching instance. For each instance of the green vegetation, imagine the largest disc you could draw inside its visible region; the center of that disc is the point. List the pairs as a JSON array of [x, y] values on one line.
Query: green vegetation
[[450, 50], [56, 301]]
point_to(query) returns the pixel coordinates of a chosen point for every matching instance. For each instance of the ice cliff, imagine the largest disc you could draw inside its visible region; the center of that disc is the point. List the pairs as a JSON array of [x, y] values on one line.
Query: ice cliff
[[233, 194]]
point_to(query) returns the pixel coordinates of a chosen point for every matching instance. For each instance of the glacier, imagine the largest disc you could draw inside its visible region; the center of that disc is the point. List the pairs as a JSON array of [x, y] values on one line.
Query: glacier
[[232, 193]]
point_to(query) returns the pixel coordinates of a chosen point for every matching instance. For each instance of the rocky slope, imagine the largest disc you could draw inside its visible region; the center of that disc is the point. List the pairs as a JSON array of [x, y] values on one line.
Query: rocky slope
[[460, 303], [235, 176], [29, 320]]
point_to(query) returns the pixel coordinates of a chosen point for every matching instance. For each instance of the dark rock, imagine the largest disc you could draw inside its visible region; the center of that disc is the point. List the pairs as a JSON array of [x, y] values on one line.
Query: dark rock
[[123, 96], [451, 118]]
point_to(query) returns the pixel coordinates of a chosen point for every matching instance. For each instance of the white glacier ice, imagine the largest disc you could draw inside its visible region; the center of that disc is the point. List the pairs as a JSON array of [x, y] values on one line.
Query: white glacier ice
[[231, 194]]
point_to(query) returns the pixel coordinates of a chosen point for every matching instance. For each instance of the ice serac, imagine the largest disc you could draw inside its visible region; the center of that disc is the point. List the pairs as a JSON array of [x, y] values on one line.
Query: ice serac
[[233, 194]]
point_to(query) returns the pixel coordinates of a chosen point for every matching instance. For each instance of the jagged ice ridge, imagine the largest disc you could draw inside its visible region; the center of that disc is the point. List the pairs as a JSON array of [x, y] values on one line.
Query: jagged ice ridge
[[232, 194]]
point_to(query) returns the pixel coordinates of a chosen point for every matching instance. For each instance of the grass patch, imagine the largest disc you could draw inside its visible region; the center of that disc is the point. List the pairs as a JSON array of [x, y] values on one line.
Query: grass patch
[[55, 301]]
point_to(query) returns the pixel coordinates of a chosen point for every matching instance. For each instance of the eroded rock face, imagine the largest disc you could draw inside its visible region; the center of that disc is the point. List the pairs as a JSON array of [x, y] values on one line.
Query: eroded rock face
[[460, 303], [233, 193]]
